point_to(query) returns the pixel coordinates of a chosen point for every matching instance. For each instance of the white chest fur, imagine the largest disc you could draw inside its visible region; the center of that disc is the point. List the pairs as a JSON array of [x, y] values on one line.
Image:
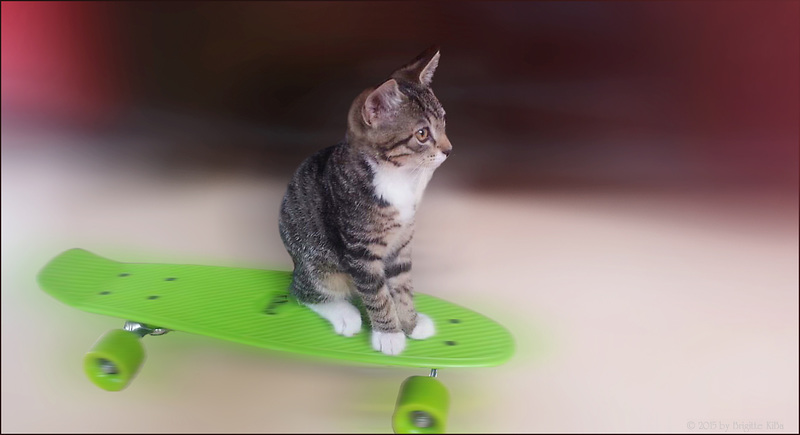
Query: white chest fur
[[401, 187]]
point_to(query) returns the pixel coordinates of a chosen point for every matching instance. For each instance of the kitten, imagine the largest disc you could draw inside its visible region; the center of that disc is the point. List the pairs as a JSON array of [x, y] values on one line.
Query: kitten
[[347, 218]]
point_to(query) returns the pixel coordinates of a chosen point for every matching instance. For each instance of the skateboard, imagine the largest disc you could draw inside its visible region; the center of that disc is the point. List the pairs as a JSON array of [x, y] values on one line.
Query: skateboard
[[254, 307]]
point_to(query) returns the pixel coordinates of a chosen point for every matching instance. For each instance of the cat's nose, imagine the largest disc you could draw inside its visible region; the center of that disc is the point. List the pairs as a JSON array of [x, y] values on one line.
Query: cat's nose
[[445, 146]]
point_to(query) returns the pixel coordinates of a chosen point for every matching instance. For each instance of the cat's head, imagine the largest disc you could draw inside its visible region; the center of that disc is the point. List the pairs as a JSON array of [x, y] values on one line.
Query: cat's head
[[401, 122]]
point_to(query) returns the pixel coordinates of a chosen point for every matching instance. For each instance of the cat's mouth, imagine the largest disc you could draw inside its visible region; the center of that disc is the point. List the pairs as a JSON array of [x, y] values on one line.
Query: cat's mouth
[[439, 159]]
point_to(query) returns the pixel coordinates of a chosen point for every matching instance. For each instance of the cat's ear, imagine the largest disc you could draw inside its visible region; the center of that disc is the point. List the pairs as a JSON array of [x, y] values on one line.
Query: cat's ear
[[421, 69], [382, 103]]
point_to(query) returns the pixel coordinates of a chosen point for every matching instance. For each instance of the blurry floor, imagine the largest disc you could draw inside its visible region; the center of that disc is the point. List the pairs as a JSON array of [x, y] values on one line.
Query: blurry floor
[[632, 311]]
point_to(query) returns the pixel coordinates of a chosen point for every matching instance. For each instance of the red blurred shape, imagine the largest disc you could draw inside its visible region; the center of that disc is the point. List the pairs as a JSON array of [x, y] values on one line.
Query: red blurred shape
[[57, 62]]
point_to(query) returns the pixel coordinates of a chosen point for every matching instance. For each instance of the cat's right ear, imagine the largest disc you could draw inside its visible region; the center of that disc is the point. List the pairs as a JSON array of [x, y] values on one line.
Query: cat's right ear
[[382, 103], [421, 69]]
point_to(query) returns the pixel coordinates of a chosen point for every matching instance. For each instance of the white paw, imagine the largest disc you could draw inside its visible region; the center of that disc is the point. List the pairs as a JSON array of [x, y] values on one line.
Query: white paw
[[424, 328], [344, 317], [390, 343]]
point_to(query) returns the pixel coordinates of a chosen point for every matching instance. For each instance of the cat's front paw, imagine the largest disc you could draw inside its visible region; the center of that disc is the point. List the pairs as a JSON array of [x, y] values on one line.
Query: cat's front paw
[[390, 343], [424, 328]]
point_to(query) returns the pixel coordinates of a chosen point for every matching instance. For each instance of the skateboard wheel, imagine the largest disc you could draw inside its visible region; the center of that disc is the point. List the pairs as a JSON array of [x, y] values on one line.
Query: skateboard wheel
[[114, 360], [421, 406]]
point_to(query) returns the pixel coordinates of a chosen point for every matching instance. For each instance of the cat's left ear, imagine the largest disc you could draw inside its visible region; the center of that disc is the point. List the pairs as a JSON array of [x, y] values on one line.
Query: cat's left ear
[[382, 103], [421, 69]]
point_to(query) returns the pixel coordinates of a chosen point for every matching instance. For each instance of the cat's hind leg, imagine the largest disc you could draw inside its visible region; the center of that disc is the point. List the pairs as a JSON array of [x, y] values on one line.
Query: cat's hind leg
[[327, 295]]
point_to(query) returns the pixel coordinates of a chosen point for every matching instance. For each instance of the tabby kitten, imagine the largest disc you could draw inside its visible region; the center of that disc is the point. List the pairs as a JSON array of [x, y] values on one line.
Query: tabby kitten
[[347, 218]]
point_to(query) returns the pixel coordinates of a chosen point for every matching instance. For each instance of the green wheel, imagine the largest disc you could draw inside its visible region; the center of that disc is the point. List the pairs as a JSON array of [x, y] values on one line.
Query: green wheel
[[114, 360], [421, 406]]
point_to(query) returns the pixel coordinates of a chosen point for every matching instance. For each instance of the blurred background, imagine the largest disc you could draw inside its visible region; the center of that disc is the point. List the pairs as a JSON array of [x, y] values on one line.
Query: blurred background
[[623, 194]]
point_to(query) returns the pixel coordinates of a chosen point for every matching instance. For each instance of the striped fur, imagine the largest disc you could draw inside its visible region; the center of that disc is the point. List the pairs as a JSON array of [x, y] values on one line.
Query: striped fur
[[347, 218]]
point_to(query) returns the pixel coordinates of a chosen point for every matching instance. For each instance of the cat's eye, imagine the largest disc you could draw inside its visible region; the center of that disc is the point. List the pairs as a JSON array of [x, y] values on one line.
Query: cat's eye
[[423, 134]]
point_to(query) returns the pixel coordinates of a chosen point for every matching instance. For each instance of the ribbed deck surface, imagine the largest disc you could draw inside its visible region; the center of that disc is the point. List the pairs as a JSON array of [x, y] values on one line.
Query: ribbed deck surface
[[254, 307]]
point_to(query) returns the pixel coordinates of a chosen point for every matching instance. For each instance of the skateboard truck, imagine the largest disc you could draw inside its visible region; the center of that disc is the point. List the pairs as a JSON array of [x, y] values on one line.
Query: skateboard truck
[[141, 329]]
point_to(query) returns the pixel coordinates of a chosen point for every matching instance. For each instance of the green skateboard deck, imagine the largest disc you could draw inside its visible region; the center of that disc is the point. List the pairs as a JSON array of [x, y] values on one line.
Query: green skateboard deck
[[254, 307]]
